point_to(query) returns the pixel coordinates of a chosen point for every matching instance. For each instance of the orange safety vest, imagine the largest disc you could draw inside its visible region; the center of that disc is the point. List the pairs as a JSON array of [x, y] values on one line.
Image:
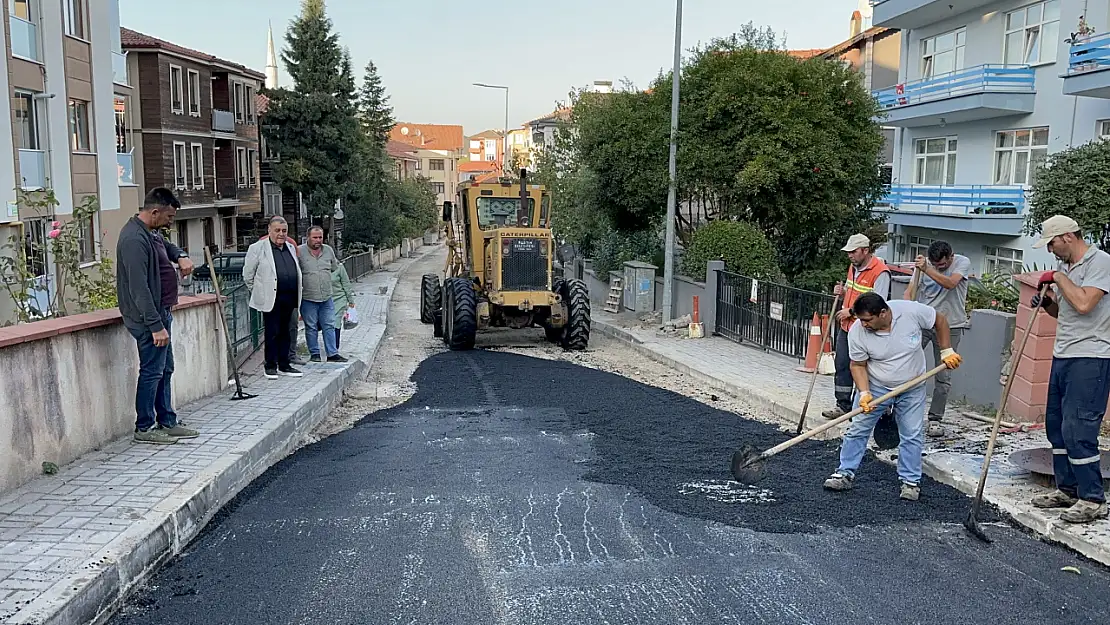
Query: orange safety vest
[[862, 282]]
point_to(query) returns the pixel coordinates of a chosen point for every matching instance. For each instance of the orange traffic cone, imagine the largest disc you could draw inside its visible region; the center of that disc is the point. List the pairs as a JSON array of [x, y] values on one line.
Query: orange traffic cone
[[813, 350]]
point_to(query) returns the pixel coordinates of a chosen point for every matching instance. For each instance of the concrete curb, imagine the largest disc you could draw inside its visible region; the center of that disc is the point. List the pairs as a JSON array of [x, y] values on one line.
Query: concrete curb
[[1047, 527], [785, 414], [95, 594]]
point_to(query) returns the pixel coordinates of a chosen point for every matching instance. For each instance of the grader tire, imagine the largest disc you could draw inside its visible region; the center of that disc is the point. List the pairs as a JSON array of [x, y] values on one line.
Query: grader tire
[[430, 299], [460, 315], [555, 335], [577, 332]]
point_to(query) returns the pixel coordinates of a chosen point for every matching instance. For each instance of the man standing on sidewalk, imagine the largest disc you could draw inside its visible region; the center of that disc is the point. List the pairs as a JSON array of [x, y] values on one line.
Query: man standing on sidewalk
[[886, 352], [318, 261], [273, 277], [144, 304], [943, 288], [294, 326], [1079, 383], [867, 274]]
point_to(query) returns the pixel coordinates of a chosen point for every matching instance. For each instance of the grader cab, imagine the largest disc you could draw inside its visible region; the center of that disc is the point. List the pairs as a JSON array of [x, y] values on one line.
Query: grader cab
[[499, 269]]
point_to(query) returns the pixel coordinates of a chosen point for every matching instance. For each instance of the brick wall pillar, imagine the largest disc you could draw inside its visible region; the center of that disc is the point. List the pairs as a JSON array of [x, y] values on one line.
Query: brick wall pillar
[[1030, 389]]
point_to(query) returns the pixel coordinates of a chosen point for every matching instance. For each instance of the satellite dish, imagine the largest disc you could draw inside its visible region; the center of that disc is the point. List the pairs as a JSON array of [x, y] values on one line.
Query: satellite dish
[[405, 130]]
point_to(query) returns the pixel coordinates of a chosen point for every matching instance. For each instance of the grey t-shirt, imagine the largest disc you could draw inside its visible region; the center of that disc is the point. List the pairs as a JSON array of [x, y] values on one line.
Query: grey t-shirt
[[949, 302], [1085, 336], [895, 356]]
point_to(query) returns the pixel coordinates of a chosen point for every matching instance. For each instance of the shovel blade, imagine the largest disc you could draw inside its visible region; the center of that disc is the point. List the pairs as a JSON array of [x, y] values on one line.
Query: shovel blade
[[747, 467], [973, 527]]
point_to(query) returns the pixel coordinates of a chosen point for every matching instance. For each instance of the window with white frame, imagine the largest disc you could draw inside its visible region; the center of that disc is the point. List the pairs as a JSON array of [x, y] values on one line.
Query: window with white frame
[[1018, 153], [943, 54], [176, 87], [194, 93], [1002, 261], [917, 246], [935, 161], [1032, 34], [87, 244], [1104, 129], [74, 15], [80, 130], [271, 201], [237, 88], [252, 180], [241, 166], [179, 164], [248, 104], [196, 159]]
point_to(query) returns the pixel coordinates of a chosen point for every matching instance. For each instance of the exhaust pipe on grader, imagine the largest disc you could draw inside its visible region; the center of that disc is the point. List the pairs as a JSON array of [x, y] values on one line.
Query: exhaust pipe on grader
[[499, 270]]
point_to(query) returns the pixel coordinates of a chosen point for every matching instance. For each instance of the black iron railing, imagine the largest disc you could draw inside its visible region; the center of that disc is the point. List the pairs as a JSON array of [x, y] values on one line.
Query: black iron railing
[[244, 324], [359, 265], [773, 316]]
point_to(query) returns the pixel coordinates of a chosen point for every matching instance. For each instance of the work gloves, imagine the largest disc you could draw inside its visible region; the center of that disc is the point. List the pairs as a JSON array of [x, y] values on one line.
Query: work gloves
[[1048, 277], [950, 358], [865, 400]]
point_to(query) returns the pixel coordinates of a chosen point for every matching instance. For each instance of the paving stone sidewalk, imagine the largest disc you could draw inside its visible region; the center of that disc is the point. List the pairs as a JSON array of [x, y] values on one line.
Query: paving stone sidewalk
[[73, 544], [771, 382]]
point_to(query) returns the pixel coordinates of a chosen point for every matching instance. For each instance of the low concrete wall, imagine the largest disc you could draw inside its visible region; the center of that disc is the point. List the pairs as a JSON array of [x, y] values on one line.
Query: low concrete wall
[[985, 347], [68, 385], [599, 289]]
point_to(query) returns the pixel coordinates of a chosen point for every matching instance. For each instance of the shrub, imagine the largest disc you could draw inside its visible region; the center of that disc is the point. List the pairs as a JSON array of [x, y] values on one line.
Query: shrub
[[743, 247], [615, 248]]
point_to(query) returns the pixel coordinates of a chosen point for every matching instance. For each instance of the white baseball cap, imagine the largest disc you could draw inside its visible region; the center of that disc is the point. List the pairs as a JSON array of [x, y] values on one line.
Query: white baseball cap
[[855, 242], [1055, 226]]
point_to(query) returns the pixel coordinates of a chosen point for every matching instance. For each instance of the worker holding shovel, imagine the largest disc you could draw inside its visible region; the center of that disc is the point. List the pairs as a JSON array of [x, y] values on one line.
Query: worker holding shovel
[[1079, 383], [884, 344]]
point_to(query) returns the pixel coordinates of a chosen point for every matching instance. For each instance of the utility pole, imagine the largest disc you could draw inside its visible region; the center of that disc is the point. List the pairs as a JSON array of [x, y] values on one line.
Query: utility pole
[[505, 137], [672, 190]]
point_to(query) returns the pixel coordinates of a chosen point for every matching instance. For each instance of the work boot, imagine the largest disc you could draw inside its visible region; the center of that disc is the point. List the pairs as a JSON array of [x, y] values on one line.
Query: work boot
[[297, 360], [935, 430], [180, 431], [337, 358], [839, 482], [290, 371], [1055, 499], [835, 413], [154, 436], [910, 492], [271, 373], [1084, 512]]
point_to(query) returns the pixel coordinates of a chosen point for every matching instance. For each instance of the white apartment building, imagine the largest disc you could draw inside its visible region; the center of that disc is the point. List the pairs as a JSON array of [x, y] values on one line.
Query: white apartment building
[[986, 90], [67, 85]]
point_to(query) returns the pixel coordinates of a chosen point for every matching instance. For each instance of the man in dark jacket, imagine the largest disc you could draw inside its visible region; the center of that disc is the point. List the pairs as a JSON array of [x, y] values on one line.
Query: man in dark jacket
[[140, 290]]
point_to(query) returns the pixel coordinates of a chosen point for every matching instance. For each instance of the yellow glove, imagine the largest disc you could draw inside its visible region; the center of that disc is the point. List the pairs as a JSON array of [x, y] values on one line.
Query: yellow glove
[[865, 400], [951, 359]]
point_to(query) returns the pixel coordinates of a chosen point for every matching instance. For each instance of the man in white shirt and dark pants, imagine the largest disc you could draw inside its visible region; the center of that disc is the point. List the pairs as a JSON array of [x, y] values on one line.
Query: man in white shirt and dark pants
[[885, 347]]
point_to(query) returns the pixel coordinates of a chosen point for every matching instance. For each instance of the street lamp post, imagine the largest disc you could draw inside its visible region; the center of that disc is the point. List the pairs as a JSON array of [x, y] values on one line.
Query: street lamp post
[[672, 190], [505, 137]]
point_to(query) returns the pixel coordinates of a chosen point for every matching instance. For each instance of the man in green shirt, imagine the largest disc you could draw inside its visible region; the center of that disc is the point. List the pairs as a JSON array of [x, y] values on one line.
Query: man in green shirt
[[318, 261]]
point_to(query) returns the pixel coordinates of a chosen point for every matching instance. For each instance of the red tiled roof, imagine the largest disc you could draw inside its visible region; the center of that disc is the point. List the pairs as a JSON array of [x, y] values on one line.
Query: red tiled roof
[[396, 149], [805, 54], [261, 104], [477, 166], [486, 177], [430, 136], [135, 40]]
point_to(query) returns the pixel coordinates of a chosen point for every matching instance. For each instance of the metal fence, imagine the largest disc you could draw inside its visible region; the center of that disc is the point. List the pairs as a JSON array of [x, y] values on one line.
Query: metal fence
[[773, 316], [243, 323], [359, 265]]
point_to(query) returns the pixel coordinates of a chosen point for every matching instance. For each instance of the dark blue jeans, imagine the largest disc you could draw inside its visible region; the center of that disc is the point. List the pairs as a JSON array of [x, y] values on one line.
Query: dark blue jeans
[[1077, 393], [153, 400]]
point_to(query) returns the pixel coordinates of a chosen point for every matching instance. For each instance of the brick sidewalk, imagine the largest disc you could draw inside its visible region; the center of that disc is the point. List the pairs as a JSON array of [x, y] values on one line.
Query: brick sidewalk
[[770, 382], [72, 544]]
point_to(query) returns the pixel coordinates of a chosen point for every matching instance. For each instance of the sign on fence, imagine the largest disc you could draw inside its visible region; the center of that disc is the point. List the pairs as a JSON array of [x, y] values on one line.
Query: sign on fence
[[776, 311]]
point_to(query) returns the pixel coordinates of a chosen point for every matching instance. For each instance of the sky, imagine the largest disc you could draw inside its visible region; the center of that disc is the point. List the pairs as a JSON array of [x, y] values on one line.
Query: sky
[[429, 52]]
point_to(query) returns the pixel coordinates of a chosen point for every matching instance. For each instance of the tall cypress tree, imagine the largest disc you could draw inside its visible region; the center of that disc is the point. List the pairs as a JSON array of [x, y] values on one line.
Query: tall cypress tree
[[375, 113]]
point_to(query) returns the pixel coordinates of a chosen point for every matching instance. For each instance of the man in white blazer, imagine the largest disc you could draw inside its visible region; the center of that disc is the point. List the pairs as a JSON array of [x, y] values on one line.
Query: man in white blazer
[[273, 276]]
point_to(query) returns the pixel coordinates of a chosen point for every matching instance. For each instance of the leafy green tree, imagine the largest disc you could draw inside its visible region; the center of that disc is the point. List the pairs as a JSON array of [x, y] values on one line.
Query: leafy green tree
[[1073, 182], [375, 113], [743, 248]]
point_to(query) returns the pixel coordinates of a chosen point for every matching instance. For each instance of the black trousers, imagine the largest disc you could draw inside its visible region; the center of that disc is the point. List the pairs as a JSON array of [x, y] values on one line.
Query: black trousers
[[842, 381], [277, 330]]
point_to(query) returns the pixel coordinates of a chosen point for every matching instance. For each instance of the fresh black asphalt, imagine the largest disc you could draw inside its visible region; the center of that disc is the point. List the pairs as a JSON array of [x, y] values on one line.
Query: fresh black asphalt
[[520, 490]]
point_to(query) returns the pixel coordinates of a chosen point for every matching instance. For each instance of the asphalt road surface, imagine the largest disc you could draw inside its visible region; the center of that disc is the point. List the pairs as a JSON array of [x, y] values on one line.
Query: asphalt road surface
[[518, 490]]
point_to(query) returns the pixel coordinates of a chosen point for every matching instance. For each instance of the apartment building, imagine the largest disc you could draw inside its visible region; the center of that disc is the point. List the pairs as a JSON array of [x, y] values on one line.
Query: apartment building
[[986, 91], [486, 146], [195, 121], [438, 148], [65, 76]]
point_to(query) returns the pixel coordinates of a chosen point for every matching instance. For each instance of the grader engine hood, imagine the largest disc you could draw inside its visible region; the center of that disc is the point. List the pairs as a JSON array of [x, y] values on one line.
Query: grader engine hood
[[519, 260]]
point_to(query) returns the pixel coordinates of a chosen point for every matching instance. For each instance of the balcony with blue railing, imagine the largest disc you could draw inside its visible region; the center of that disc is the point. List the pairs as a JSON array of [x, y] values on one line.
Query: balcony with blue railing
[[1087, 64], [25, 39], [981, 209], [32, 169], [972, 94], [119, 69], [906, 14]]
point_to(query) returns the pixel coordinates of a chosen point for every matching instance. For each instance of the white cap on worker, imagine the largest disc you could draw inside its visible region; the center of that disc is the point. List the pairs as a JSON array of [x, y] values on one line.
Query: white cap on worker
[[1055, 226], [855, 242]]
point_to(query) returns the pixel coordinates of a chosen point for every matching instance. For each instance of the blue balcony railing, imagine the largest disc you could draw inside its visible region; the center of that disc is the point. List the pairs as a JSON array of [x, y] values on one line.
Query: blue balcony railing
[[957, 200], [1091, 54], [979, 79], [119, 69], [25, 38], [125, 168]]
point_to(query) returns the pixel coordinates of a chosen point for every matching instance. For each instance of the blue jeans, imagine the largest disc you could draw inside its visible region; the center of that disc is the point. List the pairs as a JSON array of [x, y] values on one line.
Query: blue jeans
[[909, 412], [153, 399], [1077, 392], [319, 317]]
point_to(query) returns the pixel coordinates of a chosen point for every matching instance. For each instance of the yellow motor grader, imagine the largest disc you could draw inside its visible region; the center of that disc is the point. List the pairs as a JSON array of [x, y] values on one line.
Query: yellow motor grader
[[499, 269]]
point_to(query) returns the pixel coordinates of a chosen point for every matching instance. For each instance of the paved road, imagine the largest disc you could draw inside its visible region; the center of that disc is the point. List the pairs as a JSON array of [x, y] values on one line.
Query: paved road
[[518, 490]]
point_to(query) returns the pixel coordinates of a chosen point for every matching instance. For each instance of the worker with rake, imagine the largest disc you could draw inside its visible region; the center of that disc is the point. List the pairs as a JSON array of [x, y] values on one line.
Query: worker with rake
[[885, 347]]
